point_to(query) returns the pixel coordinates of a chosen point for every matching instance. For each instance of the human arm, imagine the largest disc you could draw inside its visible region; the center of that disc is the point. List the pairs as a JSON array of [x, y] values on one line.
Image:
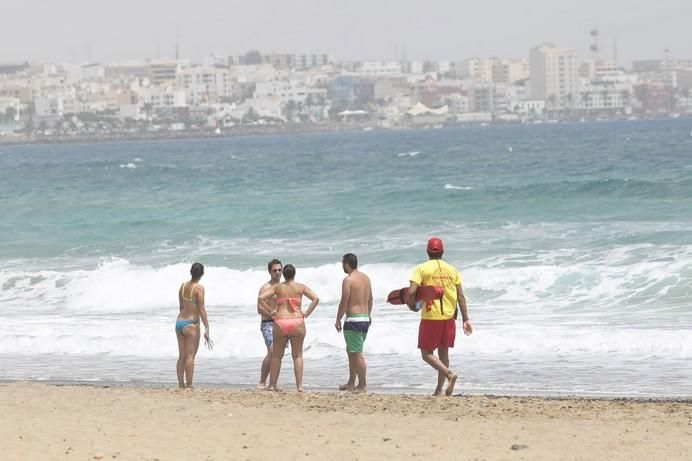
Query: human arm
[[314, 301], [370, 304], [461, 300], [415, 280], [180, 296], [265, 293], [343, 304], [412, 289], [202, 310]]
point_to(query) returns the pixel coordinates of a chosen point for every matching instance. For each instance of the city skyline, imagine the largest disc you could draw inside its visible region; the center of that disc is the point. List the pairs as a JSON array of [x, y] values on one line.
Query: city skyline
[[79, 31]]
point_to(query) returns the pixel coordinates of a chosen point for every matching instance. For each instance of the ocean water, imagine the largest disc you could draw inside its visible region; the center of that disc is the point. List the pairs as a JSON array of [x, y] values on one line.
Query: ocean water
[[574, 242]]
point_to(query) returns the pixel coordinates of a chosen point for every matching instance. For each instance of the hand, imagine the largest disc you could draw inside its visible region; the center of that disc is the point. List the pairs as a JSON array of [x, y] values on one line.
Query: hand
[[337, 325], [207, 341], [272, 314], [468, 329], [417, 307]]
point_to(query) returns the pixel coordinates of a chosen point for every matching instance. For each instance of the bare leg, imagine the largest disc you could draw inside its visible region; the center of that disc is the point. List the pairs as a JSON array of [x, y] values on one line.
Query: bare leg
[[351, 374], [297, 351], [443, 353], [191, 333], [180, 367], [361, 368], [430, 359], [278, 348], [266, 366]]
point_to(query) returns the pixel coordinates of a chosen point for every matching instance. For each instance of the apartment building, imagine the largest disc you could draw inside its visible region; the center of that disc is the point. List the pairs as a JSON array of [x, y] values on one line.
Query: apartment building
[[554, 76]]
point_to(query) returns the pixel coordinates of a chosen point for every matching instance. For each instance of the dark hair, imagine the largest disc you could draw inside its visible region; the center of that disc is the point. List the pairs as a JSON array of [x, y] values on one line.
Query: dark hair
[[273, 262], [197, 271], [435, 255], [289, 272], [351, 260]]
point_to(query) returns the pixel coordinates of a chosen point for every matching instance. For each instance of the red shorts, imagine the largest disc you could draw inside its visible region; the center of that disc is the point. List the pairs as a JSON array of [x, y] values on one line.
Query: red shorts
[[435, 333]]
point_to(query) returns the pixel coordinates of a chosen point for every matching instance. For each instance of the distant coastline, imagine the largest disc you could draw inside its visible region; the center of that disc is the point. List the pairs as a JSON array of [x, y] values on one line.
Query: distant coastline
[[278, 129]]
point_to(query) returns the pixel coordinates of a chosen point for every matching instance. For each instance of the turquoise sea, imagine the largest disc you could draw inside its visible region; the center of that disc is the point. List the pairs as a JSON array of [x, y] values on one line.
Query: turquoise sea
[[574, 242]]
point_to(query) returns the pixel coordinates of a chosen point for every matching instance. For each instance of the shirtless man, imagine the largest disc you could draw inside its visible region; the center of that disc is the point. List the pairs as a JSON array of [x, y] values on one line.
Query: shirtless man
[[267, 325], [356, 303]]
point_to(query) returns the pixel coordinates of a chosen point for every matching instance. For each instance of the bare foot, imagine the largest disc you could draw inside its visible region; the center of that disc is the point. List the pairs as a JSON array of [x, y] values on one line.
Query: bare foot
[[261, 386], [300, 389], [361, 390], [271, 389], [452, 377], [346, 387], [437, 393]]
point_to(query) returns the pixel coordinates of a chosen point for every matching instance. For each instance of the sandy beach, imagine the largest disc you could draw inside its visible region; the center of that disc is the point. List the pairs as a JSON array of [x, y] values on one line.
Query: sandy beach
[[47, 422]]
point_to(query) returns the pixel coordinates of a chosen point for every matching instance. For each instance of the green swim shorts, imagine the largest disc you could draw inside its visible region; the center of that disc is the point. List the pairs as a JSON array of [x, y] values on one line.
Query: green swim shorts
[[355, 331]]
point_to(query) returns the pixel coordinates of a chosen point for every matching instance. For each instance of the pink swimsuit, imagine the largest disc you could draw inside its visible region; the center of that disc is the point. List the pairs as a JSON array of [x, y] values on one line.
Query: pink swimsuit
[[289, 324]]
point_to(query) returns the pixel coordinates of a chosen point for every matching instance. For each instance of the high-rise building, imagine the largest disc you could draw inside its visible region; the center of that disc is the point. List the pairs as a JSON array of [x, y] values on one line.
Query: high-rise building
[[554, 76]]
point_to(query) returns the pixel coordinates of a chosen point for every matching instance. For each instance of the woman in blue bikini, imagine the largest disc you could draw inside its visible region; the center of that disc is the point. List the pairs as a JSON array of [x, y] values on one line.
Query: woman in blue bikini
[[191, 298]]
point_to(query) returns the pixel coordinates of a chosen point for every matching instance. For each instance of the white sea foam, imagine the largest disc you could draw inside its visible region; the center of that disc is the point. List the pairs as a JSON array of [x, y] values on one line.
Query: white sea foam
[[558, 304], [453, 187], [129, 165], [408, 154]]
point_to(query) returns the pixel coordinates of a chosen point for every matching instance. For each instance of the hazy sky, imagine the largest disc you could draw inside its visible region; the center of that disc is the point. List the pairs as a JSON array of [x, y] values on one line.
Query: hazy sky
[[70, 30]]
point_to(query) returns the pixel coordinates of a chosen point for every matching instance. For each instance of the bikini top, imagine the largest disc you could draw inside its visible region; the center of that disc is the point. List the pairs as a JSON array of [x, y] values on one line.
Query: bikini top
[[191, 300], [293, 303]]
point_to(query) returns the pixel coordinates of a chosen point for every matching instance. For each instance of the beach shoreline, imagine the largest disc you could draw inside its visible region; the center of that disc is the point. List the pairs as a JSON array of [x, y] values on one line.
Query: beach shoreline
[[49, 421], [375, 390]]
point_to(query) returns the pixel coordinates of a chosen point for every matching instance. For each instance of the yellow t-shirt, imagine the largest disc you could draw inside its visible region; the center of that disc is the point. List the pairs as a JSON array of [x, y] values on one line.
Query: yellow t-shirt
[[437, 273]]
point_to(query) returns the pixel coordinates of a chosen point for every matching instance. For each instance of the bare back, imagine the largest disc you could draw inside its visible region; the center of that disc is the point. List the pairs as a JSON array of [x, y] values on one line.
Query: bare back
[[190, 296], [358, 292], [285, 292]]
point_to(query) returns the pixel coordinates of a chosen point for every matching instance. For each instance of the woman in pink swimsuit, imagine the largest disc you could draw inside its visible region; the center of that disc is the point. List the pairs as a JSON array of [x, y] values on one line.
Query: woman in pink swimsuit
[[289, 323]]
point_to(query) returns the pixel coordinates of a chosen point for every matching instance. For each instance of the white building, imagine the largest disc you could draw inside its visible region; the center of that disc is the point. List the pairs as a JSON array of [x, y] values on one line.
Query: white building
[[378, 68], [164, 97], [509, 70], [268, 107], [529, 107], [286, 90], [477, 69], [605, 96], [204, 85], [93, 71], [255, 73], [163, 71], [48, 106], [415, 67], [554, 76]]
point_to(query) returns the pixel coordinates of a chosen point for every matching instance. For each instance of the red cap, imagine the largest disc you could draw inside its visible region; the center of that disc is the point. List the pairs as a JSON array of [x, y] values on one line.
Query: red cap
[[435, 245]]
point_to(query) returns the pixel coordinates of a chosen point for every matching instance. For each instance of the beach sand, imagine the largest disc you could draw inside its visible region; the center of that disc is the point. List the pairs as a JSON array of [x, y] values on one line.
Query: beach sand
[[50, 422]]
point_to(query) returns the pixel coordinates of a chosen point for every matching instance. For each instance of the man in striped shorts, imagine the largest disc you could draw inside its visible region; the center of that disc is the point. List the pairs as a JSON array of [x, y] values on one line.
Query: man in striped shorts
[[356, 304]]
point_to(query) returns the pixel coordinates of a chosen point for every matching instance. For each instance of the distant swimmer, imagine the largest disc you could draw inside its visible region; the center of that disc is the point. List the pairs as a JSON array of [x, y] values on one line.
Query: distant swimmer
[[289, 322], [356, 303], [437, 329], [191, 300], [267, 323]]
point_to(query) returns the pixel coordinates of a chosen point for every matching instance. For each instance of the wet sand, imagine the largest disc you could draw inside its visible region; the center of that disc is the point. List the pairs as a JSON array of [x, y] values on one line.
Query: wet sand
[[51, 422]]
